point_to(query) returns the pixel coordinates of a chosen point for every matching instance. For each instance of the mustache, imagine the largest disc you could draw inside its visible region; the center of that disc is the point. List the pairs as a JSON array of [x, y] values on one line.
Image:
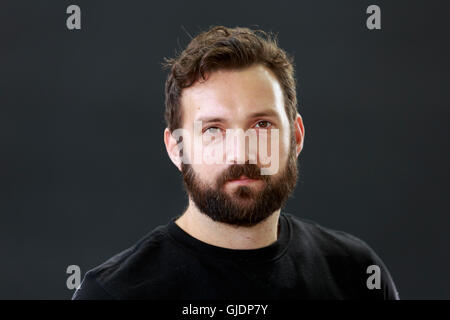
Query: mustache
[[234, 171]]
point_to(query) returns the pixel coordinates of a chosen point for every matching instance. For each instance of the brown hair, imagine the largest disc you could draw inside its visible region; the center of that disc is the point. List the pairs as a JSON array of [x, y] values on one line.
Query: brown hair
[[226, 48]]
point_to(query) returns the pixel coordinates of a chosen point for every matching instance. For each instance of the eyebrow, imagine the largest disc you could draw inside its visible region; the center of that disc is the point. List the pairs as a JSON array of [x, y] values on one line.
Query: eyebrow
[[268, 113]]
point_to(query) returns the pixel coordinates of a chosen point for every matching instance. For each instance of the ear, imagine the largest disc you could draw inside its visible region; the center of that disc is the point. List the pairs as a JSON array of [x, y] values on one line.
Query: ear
[[172, 148], [299, 133]]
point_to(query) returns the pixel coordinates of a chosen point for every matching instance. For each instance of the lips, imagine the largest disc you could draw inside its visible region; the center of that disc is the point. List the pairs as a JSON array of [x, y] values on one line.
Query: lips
[[243, 178]]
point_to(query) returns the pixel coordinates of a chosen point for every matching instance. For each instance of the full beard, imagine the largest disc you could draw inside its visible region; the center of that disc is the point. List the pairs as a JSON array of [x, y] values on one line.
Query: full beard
[[246, 206]]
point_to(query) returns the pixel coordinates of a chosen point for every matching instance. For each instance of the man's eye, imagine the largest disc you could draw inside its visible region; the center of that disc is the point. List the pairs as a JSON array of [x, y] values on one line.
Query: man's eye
[[266, 124], [212, 130]]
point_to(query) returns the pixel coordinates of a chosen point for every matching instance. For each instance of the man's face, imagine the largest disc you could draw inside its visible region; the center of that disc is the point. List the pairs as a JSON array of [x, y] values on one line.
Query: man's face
[[247, 99]]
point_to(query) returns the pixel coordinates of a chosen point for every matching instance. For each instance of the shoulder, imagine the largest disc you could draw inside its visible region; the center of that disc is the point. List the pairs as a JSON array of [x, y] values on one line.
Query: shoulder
[[106, 280], [343, 253], [328, 241]]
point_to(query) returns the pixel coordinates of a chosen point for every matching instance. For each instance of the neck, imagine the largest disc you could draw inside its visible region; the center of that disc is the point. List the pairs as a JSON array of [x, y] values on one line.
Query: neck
[[220, 234]]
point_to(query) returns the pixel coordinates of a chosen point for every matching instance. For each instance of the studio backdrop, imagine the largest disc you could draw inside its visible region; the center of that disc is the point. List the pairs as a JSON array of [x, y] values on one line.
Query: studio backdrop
[[84, 172]]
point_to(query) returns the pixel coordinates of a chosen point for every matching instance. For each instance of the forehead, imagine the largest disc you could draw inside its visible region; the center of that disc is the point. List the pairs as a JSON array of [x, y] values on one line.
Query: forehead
[[233, 94]]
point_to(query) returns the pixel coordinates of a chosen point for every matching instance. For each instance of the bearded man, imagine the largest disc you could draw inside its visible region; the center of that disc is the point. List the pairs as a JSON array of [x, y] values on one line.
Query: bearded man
[[233, 241]]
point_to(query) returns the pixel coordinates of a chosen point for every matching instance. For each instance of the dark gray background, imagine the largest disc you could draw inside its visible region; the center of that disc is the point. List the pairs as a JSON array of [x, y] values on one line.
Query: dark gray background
[[83, 169]]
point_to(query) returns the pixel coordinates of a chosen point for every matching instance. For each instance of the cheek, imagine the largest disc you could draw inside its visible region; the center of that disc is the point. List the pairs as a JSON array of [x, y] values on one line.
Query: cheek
[[285, 142], [207, 150], [273, 148], [207, 173]]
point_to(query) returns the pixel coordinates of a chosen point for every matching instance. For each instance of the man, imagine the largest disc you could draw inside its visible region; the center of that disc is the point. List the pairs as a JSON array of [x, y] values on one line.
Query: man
[[233, 241]]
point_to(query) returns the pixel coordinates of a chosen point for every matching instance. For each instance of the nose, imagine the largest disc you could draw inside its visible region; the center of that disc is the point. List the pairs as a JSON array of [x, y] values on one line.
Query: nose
[[241, 147]]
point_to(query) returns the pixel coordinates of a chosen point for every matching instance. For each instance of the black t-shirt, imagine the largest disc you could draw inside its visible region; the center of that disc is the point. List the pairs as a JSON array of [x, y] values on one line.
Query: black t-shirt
[[307, 261]]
